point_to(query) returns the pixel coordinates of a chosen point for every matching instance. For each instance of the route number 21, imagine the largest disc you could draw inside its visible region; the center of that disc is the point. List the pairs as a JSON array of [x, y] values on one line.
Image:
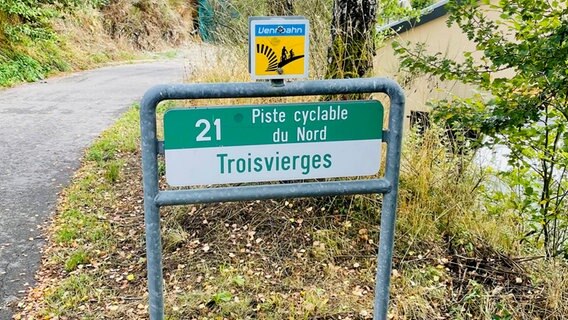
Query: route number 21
[[204, 135]]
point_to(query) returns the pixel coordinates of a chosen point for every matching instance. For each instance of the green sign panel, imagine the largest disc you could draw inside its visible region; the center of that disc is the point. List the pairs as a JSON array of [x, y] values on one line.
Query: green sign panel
[[272, 142]]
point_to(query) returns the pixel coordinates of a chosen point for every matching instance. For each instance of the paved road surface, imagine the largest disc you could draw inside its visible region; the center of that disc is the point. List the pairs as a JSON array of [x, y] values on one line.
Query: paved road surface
[[44, 128]]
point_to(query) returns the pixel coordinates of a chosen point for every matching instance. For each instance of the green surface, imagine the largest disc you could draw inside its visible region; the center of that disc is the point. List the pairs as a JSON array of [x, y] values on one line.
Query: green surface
[[270, 124]]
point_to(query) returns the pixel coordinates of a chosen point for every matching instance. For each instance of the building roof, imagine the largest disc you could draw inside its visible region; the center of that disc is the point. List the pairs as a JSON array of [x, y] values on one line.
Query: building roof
[[428, 14]]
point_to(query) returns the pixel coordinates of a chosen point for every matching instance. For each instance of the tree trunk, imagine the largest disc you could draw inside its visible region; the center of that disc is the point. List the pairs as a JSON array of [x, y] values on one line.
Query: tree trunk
[[281, 7], [352, 45]]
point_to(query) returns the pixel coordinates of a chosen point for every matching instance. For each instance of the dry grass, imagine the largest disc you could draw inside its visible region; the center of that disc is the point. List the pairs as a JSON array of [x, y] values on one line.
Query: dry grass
[[125, 29], [149, 24], [86, 41]]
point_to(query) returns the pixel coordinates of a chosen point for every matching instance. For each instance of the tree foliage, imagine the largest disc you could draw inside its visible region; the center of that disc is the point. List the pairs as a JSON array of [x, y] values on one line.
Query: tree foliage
[[521, 63], [392, 10]]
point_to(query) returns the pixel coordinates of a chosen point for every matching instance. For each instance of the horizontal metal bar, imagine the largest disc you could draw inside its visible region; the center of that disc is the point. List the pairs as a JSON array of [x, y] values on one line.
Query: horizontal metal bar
[[276, 191], [264, 89]]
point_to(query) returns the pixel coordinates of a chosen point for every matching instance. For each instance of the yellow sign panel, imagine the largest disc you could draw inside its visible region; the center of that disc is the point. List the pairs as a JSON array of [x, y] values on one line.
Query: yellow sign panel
[[279, 48]]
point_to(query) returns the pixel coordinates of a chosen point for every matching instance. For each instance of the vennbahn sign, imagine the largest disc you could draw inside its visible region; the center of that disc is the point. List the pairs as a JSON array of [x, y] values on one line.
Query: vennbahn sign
[[278, 47]]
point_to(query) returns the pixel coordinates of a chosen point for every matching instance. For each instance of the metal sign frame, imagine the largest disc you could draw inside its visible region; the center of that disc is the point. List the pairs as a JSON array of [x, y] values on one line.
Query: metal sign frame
[[154, 198]]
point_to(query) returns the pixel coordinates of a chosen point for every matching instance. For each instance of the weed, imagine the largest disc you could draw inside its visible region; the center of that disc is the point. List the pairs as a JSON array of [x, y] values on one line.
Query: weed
[[174, 238], [77, 258], [221, 297], [21, 68], [112, 171], [169, 54]]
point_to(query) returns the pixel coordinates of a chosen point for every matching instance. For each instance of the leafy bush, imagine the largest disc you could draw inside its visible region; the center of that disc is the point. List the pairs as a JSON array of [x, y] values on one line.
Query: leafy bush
[[27, 50], [526, 111]]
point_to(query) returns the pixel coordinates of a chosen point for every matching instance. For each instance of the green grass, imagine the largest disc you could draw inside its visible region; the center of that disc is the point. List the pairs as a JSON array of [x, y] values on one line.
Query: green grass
[[70, 294], [122, 137], [66, 234], [168, 54]]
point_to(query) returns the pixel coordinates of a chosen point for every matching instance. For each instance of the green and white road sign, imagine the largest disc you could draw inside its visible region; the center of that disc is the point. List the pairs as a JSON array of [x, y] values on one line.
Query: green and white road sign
[[272, 142]]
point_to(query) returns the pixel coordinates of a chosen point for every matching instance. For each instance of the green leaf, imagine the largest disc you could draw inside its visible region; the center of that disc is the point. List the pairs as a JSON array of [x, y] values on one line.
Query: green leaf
[[239, 280], [222, 297]]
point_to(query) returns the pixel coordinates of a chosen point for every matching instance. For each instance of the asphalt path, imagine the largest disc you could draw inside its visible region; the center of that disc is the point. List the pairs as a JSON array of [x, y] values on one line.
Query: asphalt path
[[44, 129]]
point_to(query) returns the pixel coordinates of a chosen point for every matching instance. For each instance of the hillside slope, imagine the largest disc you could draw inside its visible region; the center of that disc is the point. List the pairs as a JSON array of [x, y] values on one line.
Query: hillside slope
[[39, 37]]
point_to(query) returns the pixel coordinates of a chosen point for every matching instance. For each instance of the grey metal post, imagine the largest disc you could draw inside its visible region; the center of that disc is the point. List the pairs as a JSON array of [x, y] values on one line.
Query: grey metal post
[[388, 211], [154, 198], [151, 209]]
